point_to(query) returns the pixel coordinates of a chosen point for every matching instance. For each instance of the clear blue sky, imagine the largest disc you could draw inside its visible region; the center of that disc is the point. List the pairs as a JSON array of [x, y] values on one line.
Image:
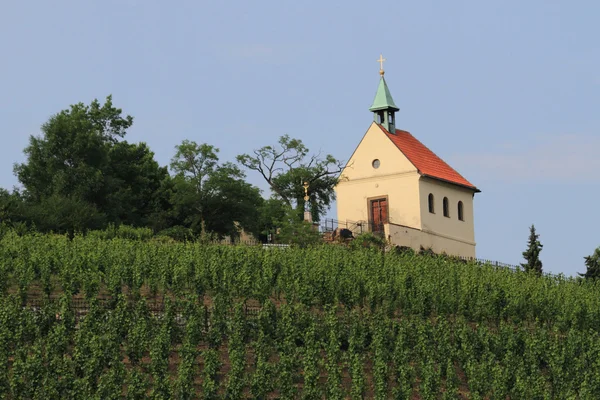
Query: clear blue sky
[[506, 92]]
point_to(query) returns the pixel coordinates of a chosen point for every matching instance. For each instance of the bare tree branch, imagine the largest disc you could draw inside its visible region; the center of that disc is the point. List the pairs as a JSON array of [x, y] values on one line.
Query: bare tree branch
[[284, 168]]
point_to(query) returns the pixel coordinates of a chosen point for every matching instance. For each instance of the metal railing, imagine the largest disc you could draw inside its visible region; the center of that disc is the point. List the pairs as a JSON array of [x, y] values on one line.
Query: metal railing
[[81, 307], [499, 264], [356, 227]]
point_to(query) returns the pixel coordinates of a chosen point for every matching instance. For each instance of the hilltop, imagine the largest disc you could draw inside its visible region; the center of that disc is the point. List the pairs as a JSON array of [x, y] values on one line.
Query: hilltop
[[88, 317]]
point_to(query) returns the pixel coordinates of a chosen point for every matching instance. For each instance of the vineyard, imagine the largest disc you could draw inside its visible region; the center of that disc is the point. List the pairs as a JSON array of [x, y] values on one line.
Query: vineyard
[[88, 317]]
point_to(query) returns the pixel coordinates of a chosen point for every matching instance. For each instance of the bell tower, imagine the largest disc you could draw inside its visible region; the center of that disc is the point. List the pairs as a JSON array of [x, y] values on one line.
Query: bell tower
[[383, 108]]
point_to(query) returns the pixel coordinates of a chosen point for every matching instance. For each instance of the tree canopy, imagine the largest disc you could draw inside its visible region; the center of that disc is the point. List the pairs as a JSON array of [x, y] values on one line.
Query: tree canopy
[[80, 174], [212, 197], [73, 150], [10, 206], [287, 165]]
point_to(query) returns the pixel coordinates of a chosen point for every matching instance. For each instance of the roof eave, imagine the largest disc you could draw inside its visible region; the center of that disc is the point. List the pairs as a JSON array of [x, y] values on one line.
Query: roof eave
[[383, 107], [473, 188]]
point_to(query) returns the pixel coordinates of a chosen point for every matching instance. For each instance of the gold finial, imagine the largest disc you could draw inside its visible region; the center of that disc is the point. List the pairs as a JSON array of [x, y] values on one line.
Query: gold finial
[[380, 61]]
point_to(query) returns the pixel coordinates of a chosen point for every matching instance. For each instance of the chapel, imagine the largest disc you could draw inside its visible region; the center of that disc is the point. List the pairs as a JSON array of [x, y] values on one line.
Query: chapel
[[395, 186]]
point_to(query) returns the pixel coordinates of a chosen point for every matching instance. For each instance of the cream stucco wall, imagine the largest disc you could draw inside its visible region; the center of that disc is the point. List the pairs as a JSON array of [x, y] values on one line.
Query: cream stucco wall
[[451, 226], [376, 145], [415, 238], [396, 178]]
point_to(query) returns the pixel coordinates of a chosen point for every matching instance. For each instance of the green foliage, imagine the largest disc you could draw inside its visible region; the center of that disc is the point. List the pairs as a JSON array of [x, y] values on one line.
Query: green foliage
[[237, 354], [232, 203], [271, 213], [291, 230], [287, 165], [333, 361], [331, 323], [403, 370], [4, 229], [68, 158], [64, 214], [133, 186], [356, 356], [210, 386], [261, 381], [212, 197], [368, 240], [11, 207], [380, 357], [122, 232], [137, 384], [592, 264], [194, 161], [80, 174], [310, 366], [452, 382], [288, 351], [532, 254], [178, 233]]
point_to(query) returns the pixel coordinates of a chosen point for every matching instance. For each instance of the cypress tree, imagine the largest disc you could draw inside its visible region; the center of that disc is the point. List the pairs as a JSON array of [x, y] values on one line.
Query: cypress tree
[[593, 265], [532, 254]]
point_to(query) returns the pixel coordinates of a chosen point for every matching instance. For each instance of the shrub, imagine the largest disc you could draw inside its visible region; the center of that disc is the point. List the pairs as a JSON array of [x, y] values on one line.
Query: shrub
[[122, 232], [368, 240], [178, 232]]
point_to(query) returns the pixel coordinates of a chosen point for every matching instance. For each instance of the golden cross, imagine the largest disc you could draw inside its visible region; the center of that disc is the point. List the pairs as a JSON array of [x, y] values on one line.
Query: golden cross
[[380, 61]]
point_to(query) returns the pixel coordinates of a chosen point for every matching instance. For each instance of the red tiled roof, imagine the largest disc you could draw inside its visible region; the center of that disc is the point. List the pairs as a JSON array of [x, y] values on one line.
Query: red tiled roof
[[425, 160]]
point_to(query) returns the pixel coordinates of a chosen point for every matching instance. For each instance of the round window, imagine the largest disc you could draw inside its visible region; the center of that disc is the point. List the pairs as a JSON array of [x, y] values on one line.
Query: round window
[[376, 163]]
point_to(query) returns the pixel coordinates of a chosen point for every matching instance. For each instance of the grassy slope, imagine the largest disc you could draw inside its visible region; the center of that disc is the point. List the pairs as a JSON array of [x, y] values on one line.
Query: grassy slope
[[337, 323]]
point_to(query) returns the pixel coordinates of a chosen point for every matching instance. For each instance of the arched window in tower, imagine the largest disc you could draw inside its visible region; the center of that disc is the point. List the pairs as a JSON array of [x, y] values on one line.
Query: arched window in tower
[[446, 208], [431, 205], [460, 211]]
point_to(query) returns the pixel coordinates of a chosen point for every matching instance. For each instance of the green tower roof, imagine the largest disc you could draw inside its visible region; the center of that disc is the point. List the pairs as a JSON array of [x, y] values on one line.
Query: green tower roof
[[383, 98]]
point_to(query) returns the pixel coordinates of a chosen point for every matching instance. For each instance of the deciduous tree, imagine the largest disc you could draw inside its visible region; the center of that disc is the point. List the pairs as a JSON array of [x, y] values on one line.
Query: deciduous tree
[[70, 155], [81, 174], [10, 206], [212, 197], [287, 165]]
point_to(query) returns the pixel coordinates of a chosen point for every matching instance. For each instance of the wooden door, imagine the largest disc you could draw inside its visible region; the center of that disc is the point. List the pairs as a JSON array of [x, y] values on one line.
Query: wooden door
[[379, 214]]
